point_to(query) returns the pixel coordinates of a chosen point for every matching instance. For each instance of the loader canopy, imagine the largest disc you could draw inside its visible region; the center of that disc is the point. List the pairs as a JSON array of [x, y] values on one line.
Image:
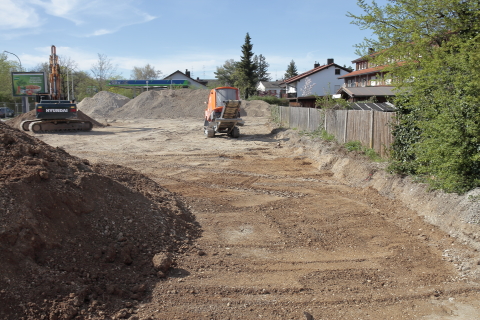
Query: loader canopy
[[225, 94]]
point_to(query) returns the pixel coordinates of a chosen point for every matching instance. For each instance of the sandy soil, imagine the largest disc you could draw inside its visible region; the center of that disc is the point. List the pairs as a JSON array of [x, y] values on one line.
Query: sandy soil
[[279, 238]]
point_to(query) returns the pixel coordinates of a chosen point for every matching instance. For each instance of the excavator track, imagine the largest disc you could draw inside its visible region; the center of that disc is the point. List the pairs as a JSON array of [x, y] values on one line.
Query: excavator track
[[50, 126]]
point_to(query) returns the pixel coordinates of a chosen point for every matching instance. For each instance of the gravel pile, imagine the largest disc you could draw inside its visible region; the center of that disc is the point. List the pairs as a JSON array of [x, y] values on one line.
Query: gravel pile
[[102, 104], [164, 104]]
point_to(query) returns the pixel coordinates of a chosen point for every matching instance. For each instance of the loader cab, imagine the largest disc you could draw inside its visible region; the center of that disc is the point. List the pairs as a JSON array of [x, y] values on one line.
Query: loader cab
[[216, 101]]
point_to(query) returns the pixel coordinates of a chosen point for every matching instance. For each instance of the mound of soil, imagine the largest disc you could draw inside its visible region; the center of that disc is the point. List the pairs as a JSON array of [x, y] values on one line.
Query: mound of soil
[[77, 238], [102, 104], [163, 104], [15, 122]]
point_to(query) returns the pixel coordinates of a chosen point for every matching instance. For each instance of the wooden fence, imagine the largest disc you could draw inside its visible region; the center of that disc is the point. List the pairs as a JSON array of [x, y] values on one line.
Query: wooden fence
[[371, 128]]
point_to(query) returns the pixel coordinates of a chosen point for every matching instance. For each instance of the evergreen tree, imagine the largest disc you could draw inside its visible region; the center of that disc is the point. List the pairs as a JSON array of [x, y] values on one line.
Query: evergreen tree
[[247, 70], [291, 70], [432, 49], [262, 68]]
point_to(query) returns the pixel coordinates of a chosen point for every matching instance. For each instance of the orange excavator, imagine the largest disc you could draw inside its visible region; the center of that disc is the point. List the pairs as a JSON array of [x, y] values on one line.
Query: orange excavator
[[53, 113], [222, 114]]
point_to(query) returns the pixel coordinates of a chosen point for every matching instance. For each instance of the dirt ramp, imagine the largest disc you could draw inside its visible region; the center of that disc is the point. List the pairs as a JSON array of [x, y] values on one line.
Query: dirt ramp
[[76, 236]]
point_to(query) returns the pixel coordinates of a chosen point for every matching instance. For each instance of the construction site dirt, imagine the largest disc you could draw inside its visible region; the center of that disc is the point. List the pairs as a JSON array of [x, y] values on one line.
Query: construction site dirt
[[257, 229]]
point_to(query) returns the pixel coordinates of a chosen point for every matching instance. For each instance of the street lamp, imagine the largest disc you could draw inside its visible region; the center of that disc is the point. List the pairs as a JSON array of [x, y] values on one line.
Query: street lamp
[[15, 56]]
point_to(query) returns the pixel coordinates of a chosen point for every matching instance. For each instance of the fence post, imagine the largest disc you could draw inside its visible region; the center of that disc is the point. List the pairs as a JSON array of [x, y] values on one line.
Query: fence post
[[345, 132], [371, 128], [325, 119], [308, 119]]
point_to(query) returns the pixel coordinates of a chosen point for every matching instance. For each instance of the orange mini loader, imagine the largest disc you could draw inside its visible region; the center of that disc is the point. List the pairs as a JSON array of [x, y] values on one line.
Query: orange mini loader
[[223, 112]]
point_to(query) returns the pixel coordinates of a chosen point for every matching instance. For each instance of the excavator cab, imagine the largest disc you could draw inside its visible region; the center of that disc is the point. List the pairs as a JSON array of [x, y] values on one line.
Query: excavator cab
[[222, 114]]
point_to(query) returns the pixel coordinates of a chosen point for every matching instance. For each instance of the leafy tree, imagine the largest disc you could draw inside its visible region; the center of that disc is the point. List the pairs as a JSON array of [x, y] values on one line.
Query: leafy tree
[[225, 74], [145, 73], [262, 68], [246, 70], [432, 50], [6, 67], [103, 70], [291, 70]]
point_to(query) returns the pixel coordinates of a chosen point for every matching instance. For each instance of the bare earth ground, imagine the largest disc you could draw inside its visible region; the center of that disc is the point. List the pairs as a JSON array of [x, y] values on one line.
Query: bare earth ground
[[280, 238]]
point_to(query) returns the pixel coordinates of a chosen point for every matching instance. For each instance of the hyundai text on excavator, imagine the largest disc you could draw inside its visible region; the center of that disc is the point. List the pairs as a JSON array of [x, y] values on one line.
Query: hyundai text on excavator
[[222, 114], [53, 113]]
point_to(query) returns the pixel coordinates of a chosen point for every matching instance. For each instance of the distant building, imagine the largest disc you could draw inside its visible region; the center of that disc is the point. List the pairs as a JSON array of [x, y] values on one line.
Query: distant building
[[366, 82], [270, 88], [178, 75], [325, 79]]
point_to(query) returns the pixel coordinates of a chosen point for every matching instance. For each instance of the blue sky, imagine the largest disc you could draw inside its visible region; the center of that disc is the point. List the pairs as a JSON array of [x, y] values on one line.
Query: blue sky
[[198, 35]]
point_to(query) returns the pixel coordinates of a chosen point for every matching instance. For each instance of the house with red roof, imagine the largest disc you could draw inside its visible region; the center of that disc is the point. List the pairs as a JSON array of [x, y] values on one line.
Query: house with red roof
[[367, 81], [322, 80]]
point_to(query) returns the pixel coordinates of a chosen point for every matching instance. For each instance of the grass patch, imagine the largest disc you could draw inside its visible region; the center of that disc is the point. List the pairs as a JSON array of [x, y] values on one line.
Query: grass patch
[[357, 146]]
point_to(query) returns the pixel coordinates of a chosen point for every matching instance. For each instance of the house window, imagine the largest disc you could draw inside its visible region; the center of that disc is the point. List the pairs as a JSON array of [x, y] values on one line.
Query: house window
[[364, 82], [337, 71]]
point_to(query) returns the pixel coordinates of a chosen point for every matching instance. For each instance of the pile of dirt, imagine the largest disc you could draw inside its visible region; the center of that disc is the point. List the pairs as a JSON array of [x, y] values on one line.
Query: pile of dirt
[[102, 104], [77, 238], [163, 104], [15, 122]]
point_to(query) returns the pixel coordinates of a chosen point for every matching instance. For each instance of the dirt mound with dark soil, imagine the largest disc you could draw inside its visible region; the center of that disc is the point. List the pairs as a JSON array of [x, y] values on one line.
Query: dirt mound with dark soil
[[15, 122], [77, 238], [163, 104]]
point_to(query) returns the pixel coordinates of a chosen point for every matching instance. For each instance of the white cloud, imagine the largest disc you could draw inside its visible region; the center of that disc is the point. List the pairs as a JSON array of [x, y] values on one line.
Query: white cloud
[[17, 15], [101, 32], [96, 17], [59, 8]]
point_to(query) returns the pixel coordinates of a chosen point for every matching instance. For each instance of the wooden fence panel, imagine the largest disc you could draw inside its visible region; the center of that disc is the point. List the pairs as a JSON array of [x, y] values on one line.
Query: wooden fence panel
[[371, 128], [336, 124], [358, 126], [284, 115], [382, 132], [315, 119]]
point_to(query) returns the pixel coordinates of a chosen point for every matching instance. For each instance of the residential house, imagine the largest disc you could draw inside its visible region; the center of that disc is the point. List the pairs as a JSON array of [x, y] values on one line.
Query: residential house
[[178, 75], [366, 82], [271, 88], [322, 80]]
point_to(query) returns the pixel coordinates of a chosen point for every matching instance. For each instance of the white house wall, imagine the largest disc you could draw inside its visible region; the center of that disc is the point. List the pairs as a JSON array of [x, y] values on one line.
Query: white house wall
[[325, 82]]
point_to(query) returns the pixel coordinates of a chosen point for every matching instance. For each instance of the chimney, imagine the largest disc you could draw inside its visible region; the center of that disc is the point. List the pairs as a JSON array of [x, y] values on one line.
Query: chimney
[[329, 61], [187, 73], [316, 64]]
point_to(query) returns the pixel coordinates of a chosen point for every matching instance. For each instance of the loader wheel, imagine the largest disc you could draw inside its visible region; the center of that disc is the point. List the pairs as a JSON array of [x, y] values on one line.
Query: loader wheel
[[235, 132], [210, 133]]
